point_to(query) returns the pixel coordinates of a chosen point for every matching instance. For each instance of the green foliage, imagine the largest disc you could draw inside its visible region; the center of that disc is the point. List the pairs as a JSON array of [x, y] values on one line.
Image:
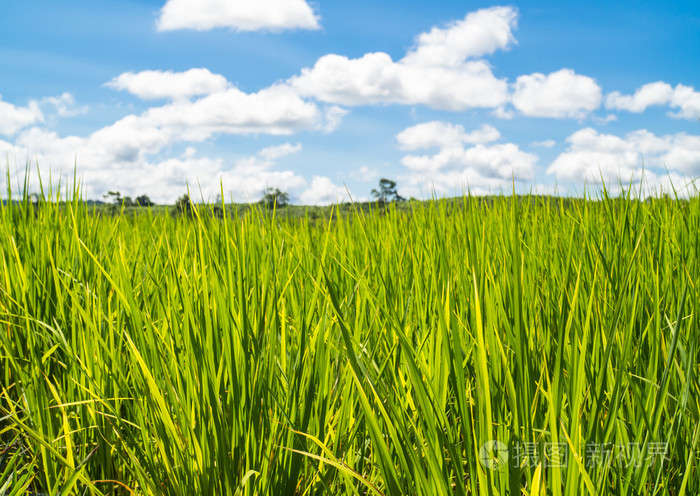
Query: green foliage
[[183, 207], [387, 191], [273, 197], [372, 354], [118, 202], [143, 201]]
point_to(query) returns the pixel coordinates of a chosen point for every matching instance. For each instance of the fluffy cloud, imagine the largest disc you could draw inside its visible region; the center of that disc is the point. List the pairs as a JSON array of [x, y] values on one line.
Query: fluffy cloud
[[275, 110], [443, 134], [135, 149], [365, 174], [483, 168], [592, 156], [323, 191], [241, 15], [375, 78], [683, 98], [129, 148], [163, 180], [250, 177], [440, 71], [560, 94], [64, 105], [13, 118], [479, 33], [151, 85], [650, 94]]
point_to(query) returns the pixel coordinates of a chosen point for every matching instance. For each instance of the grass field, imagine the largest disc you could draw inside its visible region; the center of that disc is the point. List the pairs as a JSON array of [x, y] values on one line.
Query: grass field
[[517, 346]]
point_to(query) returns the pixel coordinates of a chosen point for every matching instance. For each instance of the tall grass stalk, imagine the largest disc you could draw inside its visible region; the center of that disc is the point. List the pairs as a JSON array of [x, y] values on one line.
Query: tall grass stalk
[[367, 354]]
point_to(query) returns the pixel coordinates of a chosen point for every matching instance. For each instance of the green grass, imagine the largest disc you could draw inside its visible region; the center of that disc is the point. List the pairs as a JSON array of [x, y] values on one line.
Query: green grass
[[374, 353]]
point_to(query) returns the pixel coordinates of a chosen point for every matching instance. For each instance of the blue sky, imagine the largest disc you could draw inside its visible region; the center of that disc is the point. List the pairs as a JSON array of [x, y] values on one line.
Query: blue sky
[[313, 98]]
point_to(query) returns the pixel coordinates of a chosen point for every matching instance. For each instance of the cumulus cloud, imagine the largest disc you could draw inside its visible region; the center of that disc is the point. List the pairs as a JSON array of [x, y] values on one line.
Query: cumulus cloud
[[650, 94], [135, 149], [482, 166], [163, 180], [440, 71], [443, 134], [604, 120], [480, 33], [64, 105], [152, 85], [14, 118], [592, 156], [560, 95], [275, 110], [129, 147], [365, 174], [683, 98], [323, 191], [241, 15]]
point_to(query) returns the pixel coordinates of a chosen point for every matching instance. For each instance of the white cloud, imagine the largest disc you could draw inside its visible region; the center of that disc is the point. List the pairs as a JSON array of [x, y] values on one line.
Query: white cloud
[[241, 15], [687, 100], [365, 174], [658, 93], [323, 191], [604, 120], [592, 156], [129, 147], [272, 153], [479, 33], [483, 168], [65, 105], [135, 149], [683, 98], [13, 118], [333, 116], [374, 78], [274, 110], [443, 134], [545, 144], [250, 177], [438, 72], [151, 85], [560, 94], [497, 160], [163, 180]]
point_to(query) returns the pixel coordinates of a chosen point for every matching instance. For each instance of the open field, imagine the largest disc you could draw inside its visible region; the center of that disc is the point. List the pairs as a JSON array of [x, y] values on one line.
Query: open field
[[388, 352]]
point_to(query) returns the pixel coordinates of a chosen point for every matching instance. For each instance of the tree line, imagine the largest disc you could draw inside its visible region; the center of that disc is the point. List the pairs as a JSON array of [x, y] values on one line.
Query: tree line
[[272, 198]]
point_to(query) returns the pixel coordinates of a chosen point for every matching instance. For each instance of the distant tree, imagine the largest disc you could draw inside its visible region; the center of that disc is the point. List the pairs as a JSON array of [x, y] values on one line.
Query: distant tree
[[144, 201], [114, 196], [387, 191], [117, 200], [183, 206], [274, 197]]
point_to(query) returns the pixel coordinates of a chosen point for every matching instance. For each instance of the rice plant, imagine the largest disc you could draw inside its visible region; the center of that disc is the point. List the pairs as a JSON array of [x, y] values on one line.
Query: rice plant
[[510, 345]]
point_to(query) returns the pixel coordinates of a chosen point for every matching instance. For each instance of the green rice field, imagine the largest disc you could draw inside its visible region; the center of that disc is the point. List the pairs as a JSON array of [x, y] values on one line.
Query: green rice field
[[505, 345]]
